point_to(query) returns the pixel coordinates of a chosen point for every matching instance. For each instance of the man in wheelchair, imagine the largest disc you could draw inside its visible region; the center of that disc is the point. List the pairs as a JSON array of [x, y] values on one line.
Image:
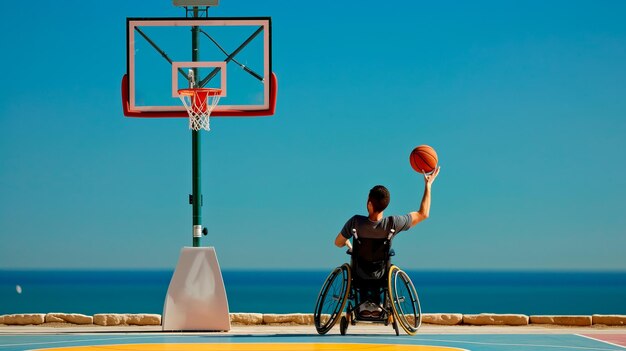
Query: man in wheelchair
[[371, 245]]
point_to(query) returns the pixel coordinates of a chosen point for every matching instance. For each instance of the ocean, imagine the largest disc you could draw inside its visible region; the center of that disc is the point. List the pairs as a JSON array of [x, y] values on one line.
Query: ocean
[[141, 291]]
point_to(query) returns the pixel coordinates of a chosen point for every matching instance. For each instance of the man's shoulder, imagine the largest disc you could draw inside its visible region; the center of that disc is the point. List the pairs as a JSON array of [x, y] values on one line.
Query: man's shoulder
[[357, 218], [396, 217], [352, 223], [399, 222]]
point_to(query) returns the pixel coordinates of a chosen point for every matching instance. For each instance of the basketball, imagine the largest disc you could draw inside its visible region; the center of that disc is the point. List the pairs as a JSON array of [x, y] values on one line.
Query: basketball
[[423, 158]]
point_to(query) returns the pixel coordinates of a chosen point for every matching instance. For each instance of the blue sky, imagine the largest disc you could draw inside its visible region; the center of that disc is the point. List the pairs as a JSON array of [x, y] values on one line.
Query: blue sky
[[524, 101]]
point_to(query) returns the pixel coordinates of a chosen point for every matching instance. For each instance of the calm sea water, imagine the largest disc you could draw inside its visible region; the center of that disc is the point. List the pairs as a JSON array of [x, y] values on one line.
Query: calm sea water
[[91, 292]]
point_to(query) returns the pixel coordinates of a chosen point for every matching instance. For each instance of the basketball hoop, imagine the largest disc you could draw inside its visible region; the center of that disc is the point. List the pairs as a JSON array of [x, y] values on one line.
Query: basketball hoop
[[199, 103]]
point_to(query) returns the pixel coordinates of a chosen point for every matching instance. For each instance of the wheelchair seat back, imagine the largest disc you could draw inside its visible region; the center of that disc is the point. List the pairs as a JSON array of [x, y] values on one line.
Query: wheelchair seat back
[[370, 258]]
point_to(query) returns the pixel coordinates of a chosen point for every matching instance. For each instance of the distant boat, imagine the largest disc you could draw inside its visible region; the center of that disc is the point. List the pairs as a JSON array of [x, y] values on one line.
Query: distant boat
[[18, 289]]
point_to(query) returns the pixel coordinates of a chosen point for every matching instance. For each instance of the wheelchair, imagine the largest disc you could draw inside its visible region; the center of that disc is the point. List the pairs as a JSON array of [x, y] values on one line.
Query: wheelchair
[[369, 278]]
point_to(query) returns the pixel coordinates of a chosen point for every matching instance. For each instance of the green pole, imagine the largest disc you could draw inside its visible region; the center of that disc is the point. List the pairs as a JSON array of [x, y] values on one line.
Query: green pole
[[195, 151]]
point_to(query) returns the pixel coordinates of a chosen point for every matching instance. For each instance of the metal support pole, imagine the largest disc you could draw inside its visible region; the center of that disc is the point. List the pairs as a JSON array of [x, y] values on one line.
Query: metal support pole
[[195, 151]]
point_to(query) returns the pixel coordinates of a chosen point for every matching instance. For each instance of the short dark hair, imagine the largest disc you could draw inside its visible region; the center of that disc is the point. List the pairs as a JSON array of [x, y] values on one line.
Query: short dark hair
[[379, 197]]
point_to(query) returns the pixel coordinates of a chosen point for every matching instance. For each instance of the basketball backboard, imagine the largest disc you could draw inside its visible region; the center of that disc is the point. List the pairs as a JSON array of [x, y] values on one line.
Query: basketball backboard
[[234, 55]]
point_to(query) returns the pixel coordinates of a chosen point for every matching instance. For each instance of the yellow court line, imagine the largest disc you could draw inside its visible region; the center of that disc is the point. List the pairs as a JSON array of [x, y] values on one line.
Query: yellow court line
[[254, 347]]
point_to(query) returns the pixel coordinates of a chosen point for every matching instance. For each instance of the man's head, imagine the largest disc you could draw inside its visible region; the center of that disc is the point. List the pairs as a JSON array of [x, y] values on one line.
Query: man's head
[[378, 198]]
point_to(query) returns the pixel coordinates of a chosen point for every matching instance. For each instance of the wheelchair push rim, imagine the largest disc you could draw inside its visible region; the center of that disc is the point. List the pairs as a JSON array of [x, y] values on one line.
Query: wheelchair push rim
[[404, 301], [332, 299]]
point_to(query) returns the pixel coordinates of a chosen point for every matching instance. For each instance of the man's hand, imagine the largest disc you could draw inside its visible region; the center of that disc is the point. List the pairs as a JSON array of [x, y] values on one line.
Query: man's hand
[[429, 179]]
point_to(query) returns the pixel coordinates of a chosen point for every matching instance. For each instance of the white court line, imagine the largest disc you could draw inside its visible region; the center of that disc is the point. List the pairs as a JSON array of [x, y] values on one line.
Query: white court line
[[74, 341], [375, 345], [503, 344], [606, 342]]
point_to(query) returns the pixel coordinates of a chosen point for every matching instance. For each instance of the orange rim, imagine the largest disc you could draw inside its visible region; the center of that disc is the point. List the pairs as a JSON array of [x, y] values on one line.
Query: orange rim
[[197, 91]]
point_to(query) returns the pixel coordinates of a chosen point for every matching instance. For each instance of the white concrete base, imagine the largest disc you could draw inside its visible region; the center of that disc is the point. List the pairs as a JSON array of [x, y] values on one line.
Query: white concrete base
[[196, 298]]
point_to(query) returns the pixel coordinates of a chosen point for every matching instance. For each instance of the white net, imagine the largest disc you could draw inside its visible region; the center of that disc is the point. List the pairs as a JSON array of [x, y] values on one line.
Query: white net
[[199, 104]]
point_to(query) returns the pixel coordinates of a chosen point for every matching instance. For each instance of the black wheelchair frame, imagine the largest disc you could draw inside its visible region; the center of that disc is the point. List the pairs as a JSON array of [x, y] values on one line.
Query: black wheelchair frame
[[370, 273]]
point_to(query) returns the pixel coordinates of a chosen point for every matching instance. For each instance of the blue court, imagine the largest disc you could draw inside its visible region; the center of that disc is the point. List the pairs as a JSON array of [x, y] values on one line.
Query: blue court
[[209, 341]]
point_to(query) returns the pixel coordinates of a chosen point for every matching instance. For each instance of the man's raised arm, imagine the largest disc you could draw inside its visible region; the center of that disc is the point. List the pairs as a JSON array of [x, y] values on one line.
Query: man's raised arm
[[424, 210]]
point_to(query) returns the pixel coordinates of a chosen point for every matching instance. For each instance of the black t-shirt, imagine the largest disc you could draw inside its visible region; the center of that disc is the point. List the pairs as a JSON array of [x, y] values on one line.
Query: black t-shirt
[[365, 228]]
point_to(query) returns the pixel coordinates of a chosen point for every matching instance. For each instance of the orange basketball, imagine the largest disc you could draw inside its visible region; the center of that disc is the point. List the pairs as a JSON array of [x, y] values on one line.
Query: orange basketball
[[423, 158]]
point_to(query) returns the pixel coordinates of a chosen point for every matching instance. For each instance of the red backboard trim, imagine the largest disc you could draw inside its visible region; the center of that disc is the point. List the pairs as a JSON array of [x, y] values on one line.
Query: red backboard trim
[[177, 114]]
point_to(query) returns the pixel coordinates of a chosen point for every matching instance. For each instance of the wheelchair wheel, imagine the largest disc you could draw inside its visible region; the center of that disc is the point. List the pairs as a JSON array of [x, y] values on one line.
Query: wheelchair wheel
[[391, 319], [395, 327], [343, 326], [332, 299], [350, 313], [404, 301]]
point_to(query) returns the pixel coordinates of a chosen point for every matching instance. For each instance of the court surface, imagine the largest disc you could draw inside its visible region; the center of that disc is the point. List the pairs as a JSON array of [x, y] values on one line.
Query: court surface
[[376, 338]]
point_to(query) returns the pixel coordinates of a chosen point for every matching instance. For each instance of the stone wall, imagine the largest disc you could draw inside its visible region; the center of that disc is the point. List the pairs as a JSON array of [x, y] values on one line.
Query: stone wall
[[81, 319], [115, 319]]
